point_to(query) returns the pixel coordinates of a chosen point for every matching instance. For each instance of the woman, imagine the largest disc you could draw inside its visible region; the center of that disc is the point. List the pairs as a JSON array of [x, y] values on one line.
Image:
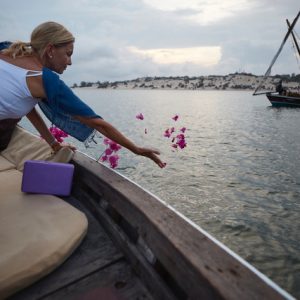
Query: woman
[[27, 78]]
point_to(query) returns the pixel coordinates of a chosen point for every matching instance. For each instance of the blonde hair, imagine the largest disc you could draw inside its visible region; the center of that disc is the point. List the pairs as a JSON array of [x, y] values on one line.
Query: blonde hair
[[43, 35]]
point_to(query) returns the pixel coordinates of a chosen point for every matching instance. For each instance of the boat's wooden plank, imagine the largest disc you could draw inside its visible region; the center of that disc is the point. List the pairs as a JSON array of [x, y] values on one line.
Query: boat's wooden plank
[[202, 266], [95, 252], [144, 269], [117, 279]]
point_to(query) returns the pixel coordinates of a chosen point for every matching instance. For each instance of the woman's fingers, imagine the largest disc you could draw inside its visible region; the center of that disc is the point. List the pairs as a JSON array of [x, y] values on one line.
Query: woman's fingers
[[159, 162], [152, 154], [67, 145]]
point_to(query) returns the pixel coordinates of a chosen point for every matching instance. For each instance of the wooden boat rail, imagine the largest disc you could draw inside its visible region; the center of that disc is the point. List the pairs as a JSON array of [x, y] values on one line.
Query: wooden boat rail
[[174, 258]]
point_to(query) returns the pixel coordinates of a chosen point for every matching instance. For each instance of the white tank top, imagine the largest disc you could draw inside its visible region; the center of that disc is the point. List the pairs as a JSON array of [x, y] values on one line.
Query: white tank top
[[16, 100]]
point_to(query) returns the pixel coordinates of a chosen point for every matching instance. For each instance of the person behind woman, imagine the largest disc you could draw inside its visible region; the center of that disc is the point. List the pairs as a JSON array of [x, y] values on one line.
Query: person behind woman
[[27, 77]]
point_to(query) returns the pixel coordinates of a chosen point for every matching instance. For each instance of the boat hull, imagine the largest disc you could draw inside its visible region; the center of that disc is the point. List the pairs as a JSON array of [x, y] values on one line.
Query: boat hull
[[283, 101]]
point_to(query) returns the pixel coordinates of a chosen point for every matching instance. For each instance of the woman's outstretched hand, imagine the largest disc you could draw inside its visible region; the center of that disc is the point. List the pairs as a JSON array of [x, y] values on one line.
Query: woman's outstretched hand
[[115, 135], [57, 146], [68, 145], [152, 154]]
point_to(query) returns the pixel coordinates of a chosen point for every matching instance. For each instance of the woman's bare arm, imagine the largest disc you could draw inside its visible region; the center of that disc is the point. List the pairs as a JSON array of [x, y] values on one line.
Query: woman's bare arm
[[37, 121], [114, 134]]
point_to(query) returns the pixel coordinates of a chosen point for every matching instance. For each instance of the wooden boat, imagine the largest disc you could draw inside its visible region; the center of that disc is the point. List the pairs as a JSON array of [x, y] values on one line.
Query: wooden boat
[[138, 247], [278, 100], [282, 96]]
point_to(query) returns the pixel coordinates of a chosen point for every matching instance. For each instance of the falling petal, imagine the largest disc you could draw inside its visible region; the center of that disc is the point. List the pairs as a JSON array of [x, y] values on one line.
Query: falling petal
[[175, 118], [113, 160], [180, 136], [58, 133], [167, 133], [140, 116], [114, 146], [108, 151], [181, 144], [104, 158], [106, 141]]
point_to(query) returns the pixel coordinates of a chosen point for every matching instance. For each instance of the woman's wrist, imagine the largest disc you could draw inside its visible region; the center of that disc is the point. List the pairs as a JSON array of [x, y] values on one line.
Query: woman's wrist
[[137, 150], [53, 142], [55, 146]]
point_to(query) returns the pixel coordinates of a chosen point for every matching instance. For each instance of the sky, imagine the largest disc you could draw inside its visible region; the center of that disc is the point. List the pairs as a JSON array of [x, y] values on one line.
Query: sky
[[126, 39]]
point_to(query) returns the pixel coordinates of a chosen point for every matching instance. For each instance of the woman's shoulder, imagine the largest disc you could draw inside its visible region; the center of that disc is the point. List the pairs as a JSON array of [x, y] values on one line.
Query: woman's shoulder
[[26, 62]]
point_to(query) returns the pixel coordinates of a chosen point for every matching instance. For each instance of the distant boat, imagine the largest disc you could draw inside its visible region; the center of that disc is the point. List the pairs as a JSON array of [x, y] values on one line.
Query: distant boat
[[282, 96], [282, 100]]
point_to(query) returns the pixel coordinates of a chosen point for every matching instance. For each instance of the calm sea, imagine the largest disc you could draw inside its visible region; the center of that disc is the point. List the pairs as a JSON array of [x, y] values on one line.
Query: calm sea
[[238, 178]]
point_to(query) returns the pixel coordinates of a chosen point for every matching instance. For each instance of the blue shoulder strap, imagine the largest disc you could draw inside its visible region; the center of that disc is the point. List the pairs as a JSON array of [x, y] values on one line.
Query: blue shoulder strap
[[4, 45]]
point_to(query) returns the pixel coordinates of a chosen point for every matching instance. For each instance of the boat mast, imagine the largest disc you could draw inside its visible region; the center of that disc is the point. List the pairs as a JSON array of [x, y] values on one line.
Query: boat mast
[[294, 38], [276, 55]]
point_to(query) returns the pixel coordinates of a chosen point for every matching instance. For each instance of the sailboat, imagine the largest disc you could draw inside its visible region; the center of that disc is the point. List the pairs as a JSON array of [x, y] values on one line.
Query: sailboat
[[282, 96]]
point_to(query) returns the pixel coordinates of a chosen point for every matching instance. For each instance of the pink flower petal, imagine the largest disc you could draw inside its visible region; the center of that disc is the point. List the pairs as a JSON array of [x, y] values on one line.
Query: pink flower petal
[[140, 116], [180, 136], [113, 160], [106, 141], [181, 144], [167, 133], [58, 133], [108, 151], [175, 118], [104, 158], [114, 146]]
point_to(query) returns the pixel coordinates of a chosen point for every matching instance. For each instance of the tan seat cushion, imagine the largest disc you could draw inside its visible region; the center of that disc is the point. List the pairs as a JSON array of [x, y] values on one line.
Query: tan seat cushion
[[37, 233], [26, 146], [5, 164]]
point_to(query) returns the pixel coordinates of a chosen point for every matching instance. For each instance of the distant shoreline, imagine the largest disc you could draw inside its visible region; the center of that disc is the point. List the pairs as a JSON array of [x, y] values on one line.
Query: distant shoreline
[[160, 89], [231, 82]]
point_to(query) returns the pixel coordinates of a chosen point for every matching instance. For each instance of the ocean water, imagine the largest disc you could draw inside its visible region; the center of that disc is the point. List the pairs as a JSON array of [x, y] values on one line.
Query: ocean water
[[239, 176]]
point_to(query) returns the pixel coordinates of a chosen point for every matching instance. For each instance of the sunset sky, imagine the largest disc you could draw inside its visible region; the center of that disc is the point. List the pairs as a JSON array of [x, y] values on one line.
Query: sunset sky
[[118, 39]]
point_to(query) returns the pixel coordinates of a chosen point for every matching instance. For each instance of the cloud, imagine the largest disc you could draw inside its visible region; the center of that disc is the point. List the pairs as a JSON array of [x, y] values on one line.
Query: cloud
[[204, 56], [204, 12], [121, 39]]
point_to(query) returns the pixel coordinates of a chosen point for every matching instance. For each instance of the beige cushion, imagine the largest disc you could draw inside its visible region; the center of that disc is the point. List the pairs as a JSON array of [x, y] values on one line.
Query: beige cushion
[[26, 146], [5, 164], [37, 233]]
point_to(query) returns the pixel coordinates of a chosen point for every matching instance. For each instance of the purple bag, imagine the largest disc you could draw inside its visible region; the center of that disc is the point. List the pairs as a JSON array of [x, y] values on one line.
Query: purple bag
[[43, 177]]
